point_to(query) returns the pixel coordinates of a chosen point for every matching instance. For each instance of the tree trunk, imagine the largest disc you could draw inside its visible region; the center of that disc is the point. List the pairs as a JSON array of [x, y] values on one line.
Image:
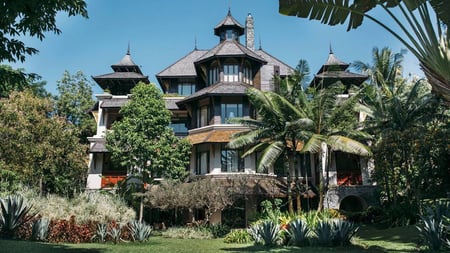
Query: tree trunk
[[289, 181], [322, 187], [141, 209]]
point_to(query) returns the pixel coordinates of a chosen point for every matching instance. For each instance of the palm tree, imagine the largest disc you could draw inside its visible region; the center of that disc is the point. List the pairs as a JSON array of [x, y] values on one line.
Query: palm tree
[[416, 29], [334, 128], [273, 133]]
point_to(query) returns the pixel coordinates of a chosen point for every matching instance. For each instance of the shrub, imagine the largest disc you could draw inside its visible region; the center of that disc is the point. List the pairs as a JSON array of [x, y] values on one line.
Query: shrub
[[200, 232], [238, 236], [14, 212], [40, 229], [266, 233], [298, 233], [115, 234], [140, 231], [219, 230], [68, 231]]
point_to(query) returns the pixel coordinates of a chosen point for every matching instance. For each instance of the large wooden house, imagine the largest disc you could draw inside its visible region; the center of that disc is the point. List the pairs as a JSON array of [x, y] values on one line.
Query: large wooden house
[[203, 90]]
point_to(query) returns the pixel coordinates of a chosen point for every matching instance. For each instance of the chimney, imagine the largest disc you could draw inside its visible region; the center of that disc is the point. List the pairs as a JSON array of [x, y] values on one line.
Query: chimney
[[250, 33]]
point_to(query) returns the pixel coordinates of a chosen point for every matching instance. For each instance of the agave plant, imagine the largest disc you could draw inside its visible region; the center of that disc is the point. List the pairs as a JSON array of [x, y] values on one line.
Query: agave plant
[[115, 233], [432, 232], [266, 233], [325, 233], [140, 231], [101, 233], [298, 232], [343, 232], [14, 212], [40, 229]]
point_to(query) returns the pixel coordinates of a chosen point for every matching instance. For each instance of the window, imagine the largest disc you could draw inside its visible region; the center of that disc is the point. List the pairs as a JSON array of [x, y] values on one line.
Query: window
[[112, 167], [213, 74], [179, 128], [202, 116], [229, 34], [247, 74], [229, 111], [202, 163], [230, 73], [186, 89], [231, 160]]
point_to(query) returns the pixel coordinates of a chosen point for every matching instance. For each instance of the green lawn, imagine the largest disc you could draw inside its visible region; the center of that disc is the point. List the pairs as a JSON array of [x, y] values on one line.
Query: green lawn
[[369, 240]]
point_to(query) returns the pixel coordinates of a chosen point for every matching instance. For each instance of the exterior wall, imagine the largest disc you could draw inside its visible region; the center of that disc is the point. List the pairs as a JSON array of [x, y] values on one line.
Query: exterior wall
[[336, 194], [94, 179]]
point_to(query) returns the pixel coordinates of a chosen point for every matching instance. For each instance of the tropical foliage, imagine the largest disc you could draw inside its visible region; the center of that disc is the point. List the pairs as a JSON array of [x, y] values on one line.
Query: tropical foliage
[[414, 25]]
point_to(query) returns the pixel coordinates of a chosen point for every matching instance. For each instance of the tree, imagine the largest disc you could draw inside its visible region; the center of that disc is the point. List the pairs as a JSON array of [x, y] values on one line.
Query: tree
[[74, 101], [334, 128], [273, 133], [143, 141], [40, 148], [416, 29], [17, 80], [34, 19]]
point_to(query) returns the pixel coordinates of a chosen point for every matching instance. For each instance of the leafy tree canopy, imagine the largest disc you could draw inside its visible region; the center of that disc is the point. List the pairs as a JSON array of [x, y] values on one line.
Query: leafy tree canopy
[[143, 141], [74, 101], [31, 18], [39, 148], [17, 80]]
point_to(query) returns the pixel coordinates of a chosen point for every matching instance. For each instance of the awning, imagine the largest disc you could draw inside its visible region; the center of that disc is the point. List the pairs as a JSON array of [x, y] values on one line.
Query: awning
[[213, 136]]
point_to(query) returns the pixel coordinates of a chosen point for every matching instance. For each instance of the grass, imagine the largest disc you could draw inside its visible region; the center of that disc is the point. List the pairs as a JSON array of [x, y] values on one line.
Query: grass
[[369, 240]]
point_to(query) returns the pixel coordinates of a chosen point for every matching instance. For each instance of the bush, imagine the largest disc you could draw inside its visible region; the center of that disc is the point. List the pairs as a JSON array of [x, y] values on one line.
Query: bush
[[201, 232], [219, 230], [432, 232], [343, 232], [324, 233], [100, 233], [238, 236], [68, 231]]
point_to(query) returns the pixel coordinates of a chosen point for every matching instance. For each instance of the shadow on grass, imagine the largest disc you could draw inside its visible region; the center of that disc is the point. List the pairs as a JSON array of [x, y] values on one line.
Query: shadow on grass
[[12, 246], [407, 234], [350, 249]]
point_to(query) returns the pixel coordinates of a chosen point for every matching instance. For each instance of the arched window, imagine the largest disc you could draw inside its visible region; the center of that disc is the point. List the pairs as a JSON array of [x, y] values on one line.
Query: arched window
[[213, 74]]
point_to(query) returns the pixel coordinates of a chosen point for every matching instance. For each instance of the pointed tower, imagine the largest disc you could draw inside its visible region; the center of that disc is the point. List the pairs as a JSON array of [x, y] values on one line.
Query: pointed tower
[[125, 76], [334, 70], [229, 28]]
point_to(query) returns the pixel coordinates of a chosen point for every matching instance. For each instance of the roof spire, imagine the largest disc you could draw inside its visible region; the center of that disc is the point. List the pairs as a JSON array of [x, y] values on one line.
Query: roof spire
[[195, 43], [331, 49], [260, 45], [229, 7], [128, 49]]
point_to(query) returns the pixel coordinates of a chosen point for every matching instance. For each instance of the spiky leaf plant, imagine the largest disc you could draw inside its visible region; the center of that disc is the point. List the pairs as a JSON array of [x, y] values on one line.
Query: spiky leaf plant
[[266, 233], [298, 232], [140, 231], [324, 233], [101, 233], [40, 229], [343, 232], [14, 212], [115, 233], [432, 232]]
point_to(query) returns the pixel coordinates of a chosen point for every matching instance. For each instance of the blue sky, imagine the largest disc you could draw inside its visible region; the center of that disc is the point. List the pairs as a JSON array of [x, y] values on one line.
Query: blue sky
[[162, 31]]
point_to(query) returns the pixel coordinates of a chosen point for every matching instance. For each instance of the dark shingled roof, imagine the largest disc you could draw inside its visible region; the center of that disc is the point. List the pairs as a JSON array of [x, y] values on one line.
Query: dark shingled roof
[[230, 48], [171, 102], [121, 75], [219, 89], [334, 63], [183, 67], [227, 22], [285, 69]]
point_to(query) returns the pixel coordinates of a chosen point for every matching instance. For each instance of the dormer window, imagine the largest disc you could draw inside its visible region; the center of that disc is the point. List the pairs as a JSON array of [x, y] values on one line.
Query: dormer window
[[231, 73], [247, 76]]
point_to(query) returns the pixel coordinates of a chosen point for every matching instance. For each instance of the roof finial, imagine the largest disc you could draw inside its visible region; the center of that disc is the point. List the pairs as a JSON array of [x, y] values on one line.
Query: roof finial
[[195, 43], [260, 46], [331, 49], [229, 7], [128, 49]]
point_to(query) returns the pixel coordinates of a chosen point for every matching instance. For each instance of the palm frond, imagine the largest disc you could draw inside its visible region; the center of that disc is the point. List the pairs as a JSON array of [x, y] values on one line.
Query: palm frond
[[313, 145], [271, 154], [348, 145]]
